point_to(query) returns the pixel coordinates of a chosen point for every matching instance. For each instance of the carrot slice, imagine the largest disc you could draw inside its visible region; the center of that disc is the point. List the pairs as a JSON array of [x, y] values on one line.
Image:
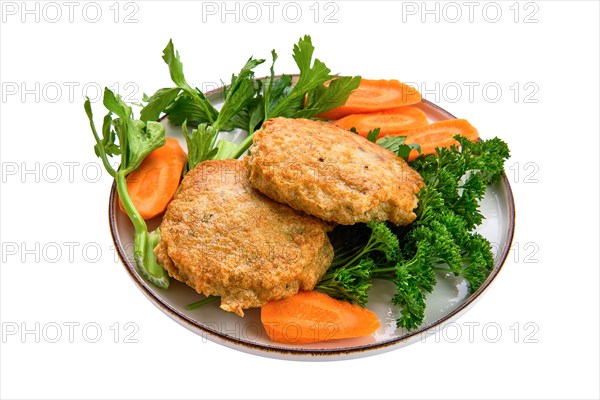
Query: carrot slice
[[439, 134], [375, 95], [153, 185], [391, 122], [310, 317]]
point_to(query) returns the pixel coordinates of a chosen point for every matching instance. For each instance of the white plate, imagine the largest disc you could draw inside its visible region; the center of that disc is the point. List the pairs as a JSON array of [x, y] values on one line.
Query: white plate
[[449, 299]]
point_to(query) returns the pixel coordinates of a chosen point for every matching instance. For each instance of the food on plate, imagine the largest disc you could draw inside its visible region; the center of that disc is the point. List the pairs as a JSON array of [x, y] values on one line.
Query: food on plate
[[257, 232], [375, 95], [309, 317], [390, 122], [223, 238], [439, 134], [153, 185], [333, 174]]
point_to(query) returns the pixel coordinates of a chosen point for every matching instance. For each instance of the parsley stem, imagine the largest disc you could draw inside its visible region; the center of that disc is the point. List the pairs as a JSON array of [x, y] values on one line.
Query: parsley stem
[[144, 241], [204, 103], [138, 222], [202, 302], [241, 149], [99, 146]]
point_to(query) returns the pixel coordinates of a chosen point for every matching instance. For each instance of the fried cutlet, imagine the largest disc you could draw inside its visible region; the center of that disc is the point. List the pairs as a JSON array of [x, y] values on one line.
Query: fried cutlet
[[224, 238], [331, 173]]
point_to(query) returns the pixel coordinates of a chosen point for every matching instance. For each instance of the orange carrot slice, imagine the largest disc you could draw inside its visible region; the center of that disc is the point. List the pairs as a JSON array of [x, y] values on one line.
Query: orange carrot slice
[[439, 134], [391, 122], [153, 185], [310, 317], [375, 95]]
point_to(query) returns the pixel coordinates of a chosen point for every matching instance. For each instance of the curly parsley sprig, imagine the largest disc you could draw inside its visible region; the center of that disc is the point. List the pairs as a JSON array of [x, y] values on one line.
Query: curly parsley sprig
[[442, 238]]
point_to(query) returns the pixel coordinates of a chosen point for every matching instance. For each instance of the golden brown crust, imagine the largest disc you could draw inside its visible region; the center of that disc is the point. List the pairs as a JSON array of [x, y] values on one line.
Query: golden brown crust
[[331, 173], [223, 238]]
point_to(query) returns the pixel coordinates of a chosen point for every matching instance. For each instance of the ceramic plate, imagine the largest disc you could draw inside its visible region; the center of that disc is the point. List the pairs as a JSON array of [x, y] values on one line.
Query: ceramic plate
[[449, 299]]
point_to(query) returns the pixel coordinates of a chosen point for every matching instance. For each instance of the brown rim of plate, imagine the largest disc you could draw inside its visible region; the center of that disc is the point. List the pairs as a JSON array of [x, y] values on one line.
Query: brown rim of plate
[[356, 350]]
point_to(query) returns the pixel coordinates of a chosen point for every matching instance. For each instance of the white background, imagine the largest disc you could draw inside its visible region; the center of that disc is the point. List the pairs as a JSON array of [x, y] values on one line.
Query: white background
[[551, 281]]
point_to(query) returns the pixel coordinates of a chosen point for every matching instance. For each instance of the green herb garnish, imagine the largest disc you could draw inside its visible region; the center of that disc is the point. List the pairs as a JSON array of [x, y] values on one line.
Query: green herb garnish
[[136, 139], [248, 101], [442, 238]]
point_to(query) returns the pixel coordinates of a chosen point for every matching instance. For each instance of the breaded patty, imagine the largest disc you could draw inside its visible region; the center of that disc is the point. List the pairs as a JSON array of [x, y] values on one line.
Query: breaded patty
[[332, 173], [223, 238]]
